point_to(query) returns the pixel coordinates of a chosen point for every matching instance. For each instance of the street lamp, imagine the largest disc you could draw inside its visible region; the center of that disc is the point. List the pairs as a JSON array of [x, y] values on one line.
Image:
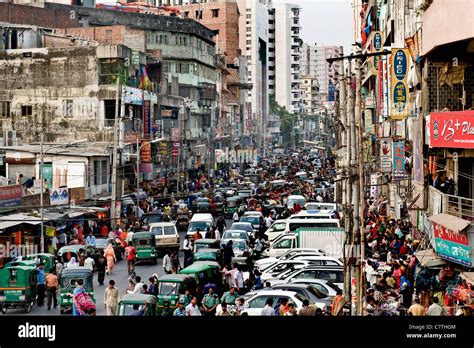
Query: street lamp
[[42, 153]]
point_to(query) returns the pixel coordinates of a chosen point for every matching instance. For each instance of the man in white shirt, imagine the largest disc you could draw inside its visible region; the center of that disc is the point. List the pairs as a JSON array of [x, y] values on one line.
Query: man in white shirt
[[129, 237], [138, 289], [167, 266], [436, 309], [192, 309], [268, 221], [89, 263], [188, 251], [54, 243], [235, 217], [268, 310], [238, 279]]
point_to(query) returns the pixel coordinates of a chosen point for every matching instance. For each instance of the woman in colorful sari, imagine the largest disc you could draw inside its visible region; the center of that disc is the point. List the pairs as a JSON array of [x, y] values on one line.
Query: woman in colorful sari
[[78, 290], [109, 255]]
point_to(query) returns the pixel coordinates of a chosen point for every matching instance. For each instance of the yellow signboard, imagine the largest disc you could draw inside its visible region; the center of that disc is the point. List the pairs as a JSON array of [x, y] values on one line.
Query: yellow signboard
[[400, 65], [50, 231]]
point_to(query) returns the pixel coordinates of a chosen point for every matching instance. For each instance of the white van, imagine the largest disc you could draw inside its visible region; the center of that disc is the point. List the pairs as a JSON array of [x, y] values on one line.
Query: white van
[[276, 229], [201, 222], [295, 199], [293, 224]]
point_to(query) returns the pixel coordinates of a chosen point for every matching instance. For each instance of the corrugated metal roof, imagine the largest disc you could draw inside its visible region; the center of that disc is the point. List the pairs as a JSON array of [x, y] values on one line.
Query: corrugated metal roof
[[450, 222], [428, 258], [468, 277]]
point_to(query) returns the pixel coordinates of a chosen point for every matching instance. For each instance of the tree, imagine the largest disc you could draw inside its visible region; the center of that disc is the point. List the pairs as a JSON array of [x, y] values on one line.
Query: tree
[[287, 120]]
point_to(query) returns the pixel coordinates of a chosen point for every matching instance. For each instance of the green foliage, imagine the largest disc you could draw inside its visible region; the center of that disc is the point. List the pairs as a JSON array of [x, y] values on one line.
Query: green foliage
[[287, 120]]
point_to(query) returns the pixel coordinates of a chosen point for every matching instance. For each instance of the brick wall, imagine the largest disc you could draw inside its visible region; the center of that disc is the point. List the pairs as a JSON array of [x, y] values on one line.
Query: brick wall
[[449, 96], [42, 17]]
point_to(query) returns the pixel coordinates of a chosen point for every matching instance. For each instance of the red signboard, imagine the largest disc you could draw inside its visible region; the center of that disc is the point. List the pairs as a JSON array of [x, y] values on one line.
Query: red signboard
[[10, 196], [446, 234], [452, 129], [145, 152]]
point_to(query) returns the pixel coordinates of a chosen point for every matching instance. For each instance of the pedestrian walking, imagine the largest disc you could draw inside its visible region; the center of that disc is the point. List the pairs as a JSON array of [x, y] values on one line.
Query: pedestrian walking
[[416, 309], [131, 254], [235, 217], [436, 309], [268, 310], [51, 289], [188, 251], [167, 266], [109, 255], [338, 303], [89, 263], [90, 239], [40, 285], [111, 298], [101, 269], [176, 267], [307, 311]]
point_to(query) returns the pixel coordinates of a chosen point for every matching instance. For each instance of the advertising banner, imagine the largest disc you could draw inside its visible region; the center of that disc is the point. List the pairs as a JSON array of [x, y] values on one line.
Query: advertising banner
[[386, 156], [418, 176], [451, 245], [386, 99], [452, 129], [59, 196], [145, 152], [10, 196], [146, 117], [399, 87], [398, 160], [376, 47], [169, 112]]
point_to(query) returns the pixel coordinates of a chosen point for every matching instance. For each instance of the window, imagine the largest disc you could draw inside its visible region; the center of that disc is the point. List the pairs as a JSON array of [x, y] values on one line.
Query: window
[[249, 16], [182, 68], [271, 59], [67, 107], [96, 173], [198, 14], [215, 13], [186, 14], [249, 42], [272, 78], [284, 244], [26, 110], [5, 108], [258, 302], [249, 29], [104, 172], [166, 67]]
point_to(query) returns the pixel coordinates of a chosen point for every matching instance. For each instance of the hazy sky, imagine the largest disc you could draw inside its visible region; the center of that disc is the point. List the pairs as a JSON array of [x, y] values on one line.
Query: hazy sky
[[326, 22]]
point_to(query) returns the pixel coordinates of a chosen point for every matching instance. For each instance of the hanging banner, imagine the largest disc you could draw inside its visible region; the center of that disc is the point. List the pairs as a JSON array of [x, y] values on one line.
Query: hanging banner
[[380, 94], [376, 47], [398, 160], [418, 176], [399, 88], [50, 231], [59, 196], [146, 117], [169, 112], [145, 152], [452, 129], [386, 99], [374, 188], [386, 156]]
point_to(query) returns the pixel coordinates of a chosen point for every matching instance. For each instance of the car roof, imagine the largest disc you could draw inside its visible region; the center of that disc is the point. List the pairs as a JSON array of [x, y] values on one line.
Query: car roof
[[235, 231], [160, 224], [275, 292], [324, 268], [242, 222]]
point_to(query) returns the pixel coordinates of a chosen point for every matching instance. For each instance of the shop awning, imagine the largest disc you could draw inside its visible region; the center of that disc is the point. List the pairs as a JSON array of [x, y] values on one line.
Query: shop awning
[[450, 222], [468, 277], [428, 258]]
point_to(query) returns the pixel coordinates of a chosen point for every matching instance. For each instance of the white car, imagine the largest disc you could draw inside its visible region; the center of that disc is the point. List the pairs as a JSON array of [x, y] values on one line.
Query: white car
[[317, 260], [333, 274], [282, 266], [166, 235], [264, 263], [253, 305], [254, 213], [325, 286], [276, 229]]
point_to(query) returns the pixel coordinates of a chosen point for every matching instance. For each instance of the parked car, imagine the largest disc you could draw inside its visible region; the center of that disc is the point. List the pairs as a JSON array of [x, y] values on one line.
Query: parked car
[[151, 218], [277, 228], [282, 266], [254, 220], [264, 263], [334, 274], [325, 286], [253, 305], [318, 260], [309, 291], [101, 244]]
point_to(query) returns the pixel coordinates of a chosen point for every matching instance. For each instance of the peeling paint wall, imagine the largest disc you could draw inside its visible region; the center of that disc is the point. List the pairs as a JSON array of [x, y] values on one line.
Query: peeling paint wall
[[55, 90]]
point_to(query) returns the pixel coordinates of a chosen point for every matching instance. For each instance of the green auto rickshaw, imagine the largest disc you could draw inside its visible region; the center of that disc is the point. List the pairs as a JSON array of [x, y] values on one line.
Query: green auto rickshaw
[[18, 287], [137, 305], [144, 243], [69, 278], [205, 272], [48, 260], [171, 287], [206, 255], [79, 252], [232, 205], [207, 250]]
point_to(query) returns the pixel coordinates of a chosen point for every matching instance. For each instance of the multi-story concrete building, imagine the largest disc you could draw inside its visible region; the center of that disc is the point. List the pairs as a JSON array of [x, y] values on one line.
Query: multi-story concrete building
[[284, 55], [313, 63]]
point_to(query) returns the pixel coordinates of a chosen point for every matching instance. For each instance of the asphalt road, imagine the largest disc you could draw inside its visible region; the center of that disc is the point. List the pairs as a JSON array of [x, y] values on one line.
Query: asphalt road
[[120, 275]]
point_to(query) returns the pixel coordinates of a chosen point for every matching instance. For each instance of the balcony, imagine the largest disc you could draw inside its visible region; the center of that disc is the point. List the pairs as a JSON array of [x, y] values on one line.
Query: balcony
[[460, 207]]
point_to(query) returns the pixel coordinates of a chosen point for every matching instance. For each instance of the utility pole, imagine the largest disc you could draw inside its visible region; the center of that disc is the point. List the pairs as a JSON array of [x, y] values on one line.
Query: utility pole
[[361, 183], [114, 157]]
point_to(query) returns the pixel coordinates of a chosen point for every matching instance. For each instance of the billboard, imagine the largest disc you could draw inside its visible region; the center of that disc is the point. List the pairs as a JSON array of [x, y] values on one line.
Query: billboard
[[386, 156], [146, 117], [59, 196], [398, 160], [451, 245], [399, 86], [10, 196], [452, 129]]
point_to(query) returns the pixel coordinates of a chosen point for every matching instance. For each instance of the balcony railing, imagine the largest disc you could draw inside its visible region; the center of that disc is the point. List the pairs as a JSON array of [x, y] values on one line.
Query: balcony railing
[[460, 207]]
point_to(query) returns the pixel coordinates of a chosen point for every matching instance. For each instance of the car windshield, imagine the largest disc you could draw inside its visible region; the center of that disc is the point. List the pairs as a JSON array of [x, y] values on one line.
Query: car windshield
[[239, 245], [252, 219], [319, 294], [244, 227], [157, 230], [167, 288], [199, 247], [169, 230], [101, 243], [151, 219], [302, 298], [234, 235], [202, 225], [333, 286]]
